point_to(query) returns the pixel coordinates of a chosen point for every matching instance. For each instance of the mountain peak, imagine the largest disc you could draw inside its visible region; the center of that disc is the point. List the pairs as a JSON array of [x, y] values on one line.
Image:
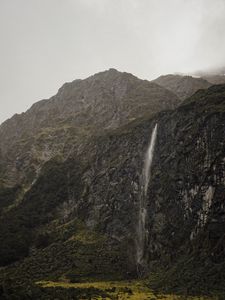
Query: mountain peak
[[110, 74]]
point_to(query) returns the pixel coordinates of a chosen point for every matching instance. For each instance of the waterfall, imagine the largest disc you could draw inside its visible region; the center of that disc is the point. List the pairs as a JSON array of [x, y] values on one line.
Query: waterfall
[[148, 159], [142, 231]]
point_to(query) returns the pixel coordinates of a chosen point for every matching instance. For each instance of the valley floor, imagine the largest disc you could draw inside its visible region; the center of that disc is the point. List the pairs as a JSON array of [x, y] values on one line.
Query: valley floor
[[115, 290]]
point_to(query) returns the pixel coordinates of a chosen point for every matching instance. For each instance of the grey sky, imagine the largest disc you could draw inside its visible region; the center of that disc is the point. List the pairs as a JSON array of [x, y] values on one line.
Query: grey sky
[[45, 43]]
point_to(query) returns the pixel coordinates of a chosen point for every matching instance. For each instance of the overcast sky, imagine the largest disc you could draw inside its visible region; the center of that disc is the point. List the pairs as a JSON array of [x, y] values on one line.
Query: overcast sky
[[45, 43]]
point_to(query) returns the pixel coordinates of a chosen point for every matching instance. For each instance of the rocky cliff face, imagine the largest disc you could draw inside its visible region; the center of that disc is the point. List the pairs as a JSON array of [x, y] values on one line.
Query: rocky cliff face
[[79, 218], [188, 178], [185, 197]]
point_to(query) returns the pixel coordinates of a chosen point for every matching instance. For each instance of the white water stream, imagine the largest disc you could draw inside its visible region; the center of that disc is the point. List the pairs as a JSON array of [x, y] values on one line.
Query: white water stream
[[142, 231]]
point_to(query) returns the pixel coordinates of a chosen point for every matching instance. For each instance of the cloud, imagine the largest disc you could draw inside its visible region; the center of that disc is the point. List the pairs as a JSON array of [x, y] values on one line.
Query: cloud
[[48, 42]]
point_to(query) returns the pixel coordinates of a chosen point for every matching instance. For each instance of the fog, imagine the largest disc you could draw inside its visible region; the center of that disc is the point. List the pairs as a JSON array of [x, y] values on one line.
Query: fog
[[45, 43]]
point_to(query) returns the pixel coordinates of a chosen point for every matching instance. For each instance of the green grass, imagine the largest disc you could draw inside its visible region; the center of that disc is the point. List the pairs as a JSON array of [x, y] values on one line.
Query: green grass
[[133, 290]]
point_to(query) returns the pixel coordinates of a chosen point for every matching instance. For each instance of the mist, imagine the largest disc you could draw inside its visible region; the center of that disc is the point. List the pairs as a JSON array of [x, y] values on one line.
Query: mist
[[45, 43]]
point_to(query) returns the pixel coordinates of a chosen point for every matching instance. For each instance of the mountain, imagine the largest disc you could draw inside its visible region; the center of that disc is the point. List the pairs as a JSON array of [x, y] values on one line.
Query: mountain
[[100, 195], [80, 109], [182, 85]]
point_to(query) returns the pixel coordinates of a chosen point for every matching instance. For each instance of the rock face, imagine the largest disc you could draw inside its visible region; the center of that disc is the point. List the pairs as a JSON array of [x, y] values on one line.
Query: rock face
[[185, 197], [182, 86], [79, 217], [80, 109], [188, 178]]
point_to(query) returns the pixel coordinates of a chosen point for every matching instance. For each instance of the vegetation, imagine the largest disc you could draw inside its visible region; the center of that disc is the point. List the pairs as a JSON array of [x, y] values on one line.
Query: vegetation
[[18, 226], [108, 290], [191, 275], [7, 196]]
